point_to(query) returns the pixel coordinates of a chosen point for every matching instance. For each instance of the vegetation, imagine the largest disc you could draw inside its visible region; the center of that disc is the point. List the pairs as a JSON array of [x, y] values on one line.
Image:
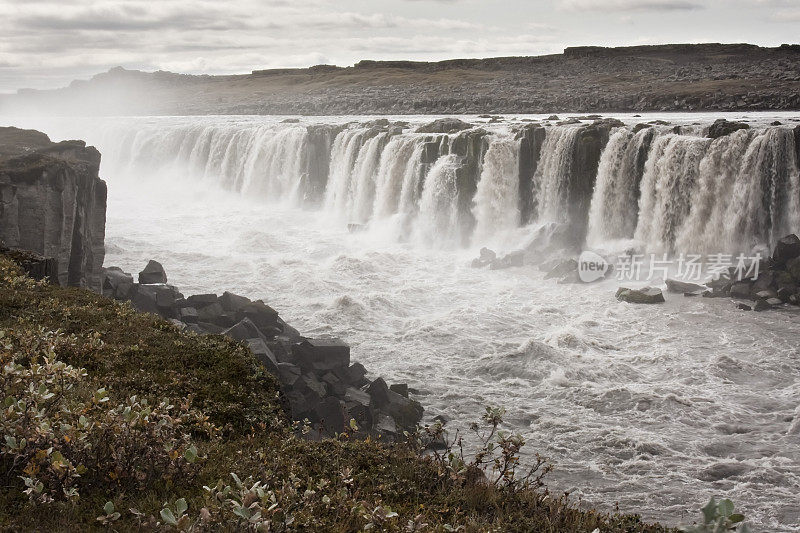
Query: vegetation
[[116, 419]]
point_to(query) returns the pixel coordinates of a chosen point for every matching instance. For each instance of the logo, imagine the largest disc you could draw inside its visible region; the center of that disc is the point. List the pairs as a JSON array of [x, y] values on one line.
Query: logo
[[592, 266]]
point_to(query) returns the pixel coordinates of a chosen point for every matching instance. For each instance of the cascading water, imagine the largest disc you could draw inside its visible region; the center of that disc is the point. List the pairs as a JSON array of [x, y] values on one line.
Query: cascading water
[[666, 192], [552, 176], [614, 208], [438, 222], [497, 198]]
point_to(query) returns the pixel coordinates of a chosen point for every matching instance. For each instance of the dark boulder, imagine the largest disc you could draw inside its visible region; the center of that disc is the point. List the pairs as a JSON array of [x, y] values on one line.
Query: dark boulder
[[740, 290], [188, 315], [152, 273], [722, 127], [209, 313], [323, 354], [233, 302], [117, 284], [485, 258], [288, 374], [243, 330], [444, 125], [406, 413], [379, 392], [199, 301], [263, 316], [793, 270], [263, 354], [787, 248], [647, 295], [400, 388], [743, 307], [331, 413]]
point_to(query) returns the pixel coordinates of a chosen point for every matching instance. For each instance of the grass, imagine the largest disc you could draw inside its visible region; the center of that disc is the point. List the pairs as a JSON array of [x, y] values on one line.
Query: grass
[[332, 485]]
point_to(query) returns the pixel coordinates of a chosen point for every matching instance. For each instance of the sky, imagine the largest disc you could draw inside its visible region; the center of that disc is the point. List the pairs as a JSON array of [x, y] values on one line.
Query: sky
[[46, 44]]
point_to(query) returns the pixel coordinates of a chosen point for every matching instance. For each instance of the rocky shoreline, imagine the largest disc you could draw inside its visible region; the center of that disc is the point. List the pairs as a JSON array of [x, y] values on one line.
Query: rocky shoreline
[[318, 379]]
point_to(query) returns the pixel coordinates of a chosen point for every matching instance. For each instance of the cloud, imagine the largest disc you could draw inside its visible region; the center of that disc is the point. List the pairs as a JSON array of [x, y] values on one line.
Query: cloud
[[630, 5]]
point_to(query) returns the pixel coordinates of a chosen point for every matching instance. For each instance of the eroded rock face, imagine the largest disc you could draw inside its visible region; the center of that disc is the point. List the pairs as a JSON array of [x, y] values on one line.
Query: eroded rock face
[[52, 202]]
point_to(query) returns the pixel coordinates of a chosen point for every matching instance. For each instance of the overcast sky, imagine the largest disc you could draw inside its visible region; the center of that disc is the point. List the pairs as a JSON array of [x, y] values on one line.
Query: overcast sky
[[47, 43]]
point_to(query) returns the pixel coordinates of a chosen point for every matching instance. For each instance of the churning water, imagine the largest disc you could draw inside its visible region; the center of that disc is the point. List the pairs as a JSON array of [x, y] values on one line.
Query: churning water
[[654, 407]]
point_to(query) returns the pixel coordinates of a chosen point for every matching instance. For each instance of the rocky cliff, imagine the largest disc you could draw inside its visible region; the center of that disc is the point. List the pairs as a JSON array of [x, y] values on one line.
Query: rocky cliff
[[52, 202]]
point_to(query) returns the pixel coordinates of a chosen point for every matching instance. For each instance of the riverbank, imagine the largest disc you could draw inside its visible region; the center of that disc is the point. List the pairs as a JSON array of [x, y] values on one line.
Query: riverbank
[[216, 411]]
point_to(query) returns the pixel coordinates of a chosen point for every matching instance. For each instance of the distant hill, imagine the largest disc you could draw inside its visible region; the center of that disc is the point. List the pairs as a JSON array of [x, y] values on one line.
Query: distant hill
[[675, 77]]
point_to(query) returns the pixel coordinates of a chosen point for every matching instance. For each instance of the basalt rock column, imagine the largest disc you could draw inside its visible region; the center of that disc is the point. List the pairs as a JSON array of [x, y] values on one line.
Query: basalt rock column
[[52, 202]]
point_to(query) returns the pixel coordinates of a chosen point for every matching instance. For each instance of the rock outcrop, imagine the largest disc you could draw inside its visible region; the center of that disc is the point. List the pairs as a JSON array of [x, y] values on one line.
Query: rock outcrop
[[318, 379], [52, 202]]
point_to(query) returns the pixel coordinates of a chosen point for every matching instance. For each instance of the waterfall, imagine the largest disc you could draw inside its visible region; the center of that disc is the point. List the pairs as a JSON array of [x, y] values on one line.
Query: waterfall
[[614, 212], [438, 220], [497, 198], [662, 190], [667, 189], [551, 180]]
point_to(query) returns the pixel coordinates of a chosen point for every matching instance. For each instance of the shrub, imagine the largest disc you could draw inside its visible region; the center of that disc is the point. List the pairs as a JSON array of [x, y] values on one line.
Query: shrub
[[58, 429]]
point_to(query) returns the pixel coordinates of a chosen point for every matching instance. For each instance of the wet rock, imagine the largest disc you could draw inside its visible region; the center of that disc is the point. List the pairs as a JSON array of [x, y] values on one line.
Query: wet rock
[[785, 294], [553, 117], [762, 305], [152, 273], [743, 307], [740, 290], [288, 374], [647, 295], [209, 327], [188, 315], [793, 269], [379, 392], [674, 285], [406, 413], [199, 301], [355, 375], [385, 425], [444, 125], [722, 127], [336, 387], [485, 258], [787, 248], [774, 302], [209, 313], [263, 316], [359, 396], [243, 330], [512, 259], [766, 294], [263, 354], [331, 413], [562, 269], [233, 302], [400, 388], [323, 354], [117, 284]]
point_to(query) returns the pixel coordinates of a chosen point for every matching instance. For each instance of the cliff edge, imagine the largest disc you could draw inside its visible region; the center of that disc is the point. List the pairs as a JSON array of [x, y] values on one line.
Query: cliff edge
[[52, 202]]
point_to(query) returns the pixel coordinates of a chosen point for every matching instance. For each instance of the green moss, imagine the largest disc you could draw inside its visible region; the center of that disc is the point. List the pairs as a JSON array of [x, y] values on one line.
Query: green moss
[[132, 353]]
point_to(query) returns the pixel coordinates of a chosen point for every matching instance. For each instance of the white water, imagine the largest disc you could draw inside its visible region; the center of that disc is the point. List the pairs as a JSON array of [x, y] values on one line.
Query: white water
[[644, 406]]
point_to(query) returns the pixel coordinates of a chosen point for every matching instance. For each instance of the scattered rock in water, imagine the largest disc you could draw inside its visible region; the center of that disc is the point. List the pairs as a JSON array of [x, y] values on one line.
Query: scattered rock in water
[[484, 259], [722, 127], [152, 273], [762, 305], [553, 117], [444, 125], [677, 286], [647, 295], [562, 269], [740, 290], [743, 307], [786, 249], [512, 259]]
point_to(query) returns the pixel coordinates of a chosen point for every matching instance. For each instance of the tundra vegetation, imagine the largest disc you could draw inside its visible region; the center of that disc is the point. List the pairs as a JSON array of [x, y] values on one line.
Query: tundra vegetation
[[113, 419]]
